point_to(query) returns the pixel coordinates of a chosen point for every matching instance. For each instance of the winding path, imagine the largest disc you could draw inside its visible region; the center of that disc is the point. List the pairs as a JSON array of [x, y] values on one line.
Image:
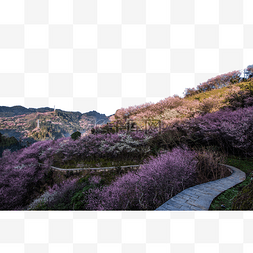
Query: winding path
[[75, 170], [196, 198], [200, 197]]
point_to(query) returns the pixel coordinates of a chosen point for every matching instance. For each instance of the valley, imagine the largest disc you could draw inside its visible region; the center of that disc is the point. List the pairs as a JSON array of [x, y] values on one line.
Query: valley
[[211, 125]]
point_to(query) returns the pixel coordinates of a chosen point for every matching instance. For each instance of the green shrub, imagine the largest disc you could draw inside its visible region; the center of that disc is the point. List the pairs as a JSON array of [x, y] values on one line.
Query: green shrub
[[75, 135]]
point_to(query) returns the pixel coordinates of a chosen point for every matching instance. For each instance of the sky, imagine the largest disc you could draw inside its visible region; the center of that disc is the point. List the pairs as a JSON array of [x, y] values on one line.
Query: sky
[[88, 56]]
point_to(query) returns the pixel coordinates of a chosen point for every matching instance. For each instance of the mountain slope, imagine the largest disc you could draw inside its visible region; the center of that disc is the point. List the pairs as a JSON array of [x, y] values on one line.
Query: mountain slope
[[175, 108], [22, 123]]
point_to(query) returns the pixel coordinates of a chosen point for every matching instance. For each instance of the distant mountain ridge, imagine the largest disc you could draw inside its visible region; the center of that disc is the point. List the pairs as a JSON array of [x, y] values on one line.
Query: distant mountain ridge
[[12, 111], [6, 111], [21, 122]]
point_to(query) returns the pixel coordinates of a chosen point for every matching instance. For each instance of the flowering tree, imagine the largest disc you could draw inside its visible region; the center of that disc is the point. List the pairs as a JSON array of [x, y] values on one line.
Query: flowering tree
[[249, 71], [217, 82], [157, 180], [231, 130]]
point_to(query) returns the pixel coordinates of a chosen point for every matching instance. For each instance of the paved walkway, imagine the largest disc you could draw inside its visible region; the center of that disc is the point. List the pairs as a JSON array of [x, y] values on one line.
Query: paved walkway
[[75, 170], [200, 197], [98, 169]]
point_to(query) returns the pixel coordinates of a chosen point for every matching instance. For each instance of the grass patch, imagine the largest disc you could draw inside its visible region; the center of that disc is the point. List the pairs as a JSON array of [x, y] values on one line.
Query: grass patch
[[216, 92], [226, 198]]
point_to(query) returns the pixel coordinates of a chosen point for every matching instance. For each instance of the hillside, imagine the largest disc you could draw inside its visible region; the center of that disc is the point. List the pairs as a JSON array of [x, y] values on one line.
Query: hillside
[[204, 129], [21, 123], [176, 109], [226, 90], [10, 143]]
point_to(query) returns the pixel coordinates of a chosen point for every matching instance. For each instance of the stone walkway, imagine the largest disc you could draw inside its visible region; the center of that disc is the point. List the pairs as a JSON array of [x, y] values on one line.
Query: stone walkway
[[200, 197], [76, 170], [98, 169]]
